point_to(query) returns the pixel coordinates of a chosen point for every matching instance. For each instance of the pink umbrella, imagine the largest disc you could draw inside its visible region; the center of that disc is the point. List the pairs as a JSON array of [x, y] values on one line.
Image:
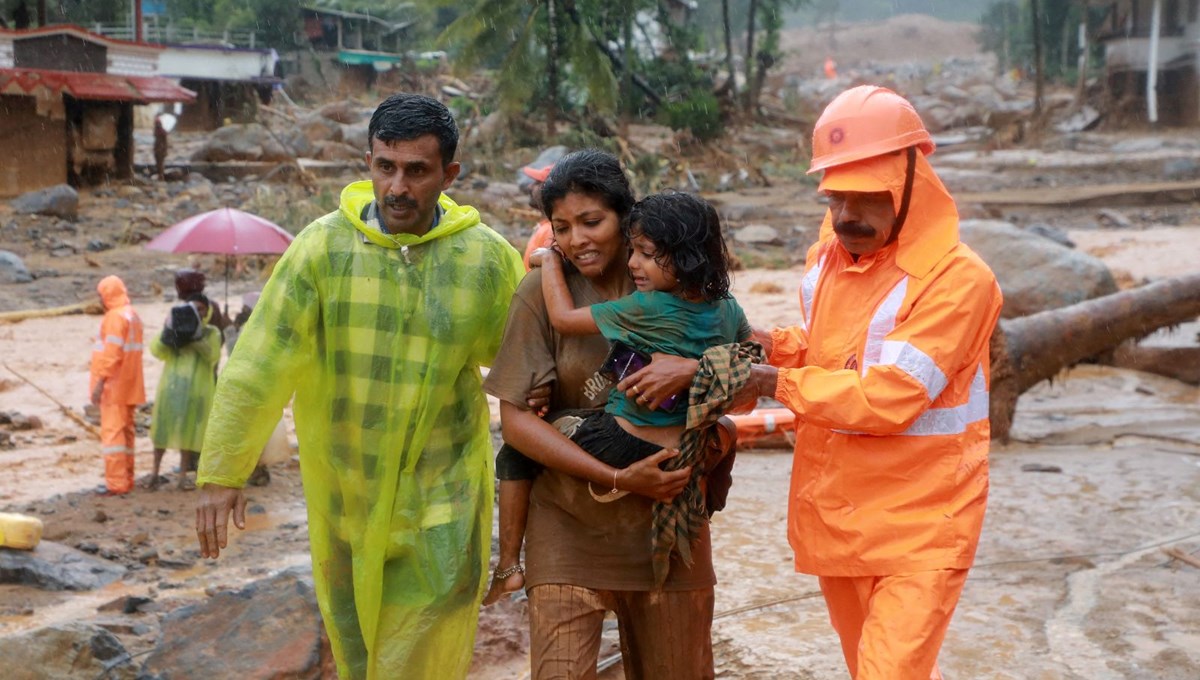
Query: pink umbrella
[[225, 231]]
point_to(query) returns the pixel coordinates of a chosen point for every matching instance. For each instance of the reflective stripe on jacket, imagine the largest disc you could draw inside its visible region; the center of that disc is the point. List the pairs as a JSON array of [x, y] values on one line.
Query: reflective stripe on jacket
[[888, 374]]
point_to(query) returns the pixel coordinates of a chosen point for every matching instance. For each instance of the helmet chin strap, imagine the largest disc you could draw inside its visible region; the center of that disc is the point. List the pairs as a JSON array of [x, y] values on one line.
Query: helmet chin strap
[[910, 171]]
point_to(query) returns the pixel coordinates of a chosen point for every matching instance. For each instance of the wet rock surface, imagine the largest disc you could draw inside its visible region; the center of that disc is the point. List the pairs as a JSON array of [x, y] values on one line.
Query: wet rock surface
[[52, 566], [268, 629], [71, 651]]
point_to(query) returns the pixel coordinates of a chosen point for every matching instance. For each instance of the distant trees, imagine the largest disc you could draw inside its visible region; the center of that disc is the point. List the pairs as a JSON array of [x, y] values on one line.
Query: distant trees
[[634, 57], [1007, 29]]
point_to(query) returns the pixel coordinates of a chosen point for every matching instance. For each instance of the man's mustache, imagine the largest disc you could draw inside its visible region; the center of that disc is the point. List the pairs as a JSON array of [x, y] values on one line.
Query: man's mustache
[[399, 202], [854, 229]]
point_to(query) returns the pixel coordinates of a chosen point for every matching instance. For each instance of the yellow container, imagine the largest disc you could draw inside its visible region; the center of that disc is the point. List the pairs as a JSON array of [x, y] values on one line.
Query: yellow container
[[19, 531]]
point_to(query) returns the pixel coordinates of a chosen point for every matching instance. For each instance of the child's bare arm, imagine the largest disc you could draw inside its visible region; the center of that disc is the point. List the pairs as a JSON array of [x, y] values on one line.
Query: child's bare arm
[[565, 318]]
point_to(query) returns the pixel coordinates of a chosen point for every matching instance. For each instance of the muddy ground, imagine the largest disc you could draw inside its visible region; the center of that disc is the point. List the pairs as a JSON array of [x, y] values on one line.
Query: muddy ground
[[1071, 581]]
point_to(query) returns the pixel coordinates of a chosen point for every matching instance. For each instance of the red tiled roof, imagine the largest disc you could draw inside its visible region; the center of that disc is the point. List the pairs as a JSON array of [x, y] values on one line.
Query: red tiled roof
[[93, 86]]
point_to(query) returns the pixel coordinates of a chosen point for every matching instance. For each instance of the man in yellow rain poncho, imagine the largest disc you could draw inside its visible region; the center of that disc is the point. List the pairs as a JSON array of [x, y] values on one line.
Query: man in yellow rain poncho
[[377, 318]]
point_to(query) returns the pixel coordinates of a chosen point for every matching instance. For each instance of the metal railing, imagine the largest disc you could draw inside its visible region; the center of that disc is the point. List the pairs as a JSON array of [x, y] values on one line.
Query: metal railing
[[152, 32]]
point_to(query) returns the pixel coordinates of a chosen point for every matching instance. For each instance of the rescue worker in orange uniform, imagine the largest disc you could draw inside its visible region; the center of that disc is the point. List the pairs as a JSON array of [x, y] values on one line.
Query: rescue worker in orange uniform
[[116, 382], [887, 372], [543, 235]]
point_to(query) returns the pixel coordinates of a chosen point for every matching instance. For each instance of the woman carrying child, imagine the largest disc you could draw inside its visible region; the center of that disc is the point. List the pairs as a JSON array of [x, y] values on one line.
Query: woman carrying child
[[584, 558]]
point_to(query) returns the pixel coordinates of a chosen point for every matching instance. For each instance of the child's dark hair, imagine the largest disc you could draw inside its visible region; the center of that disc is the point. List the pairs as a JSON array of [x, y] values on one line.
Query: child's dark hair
[[592, 172], [406, 116], [686, 232]]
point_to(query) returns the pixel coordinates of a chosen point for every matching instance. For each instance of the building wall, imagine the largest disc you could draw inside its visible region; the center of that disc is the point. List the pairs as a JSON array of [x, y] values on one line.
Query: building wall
[[60, 53], [132, 61], [215, 63], [36, 146]]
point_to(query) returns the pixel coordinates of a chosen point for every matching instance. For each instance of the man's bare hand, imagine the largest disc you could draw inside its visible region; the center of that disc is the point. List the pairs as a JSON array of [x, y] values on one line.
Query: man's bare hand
[[646, 479], [212, 517], [666, 375]]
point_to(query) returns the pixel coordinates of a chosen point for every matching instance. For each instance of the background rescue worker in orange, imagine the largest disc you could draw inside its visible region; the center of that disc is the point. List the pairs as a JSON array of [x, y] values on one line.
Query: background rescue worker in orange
[[543, 235], [116, 382], [887, 372]]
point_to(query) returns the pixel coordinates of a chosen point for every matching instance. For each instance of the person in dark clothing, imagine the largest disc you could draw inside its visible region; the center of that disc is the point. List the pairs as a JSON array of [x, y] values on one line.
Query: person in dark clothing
[[160, 148]]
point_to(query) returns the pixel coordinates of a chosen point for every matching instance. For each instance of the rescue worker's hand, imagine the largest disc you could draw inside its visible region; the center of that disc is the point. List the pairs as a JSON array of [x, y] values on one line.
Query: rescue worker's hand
[[763, 337], [762, 383], [646, 479], [212, 516], [666, 375], [98, 393], [538, 399]]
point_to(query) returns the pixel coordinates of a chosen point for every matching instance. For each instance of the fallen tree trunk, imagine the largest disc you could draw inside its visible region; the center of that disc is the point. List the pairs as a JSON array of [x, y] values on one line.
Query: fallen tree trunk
[[89, 307], [1030, 349], [1180, 363]]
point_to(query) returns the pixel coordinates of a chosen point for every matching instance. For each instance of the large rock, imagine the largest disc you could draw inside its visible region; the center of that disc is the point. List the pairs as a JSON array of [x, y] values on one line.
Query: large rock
[[72, 651], [271, 629], [60, 200], [1036, 273], [240, 143], [320, 129], [53, 566], [355, 135], [13, 269]]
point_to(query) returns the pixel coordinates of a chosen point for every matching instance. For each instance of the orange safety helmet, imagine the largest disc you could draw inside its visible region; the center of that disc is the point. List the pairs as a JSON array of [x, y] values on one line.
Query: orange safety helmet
[[864, 122]]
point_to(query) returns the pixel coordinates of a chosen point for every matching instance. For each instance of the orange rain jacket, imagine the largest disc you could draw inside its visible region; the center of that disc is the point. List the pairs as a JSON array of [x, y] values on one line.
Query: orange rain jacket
[[888, 375], [117, 352]]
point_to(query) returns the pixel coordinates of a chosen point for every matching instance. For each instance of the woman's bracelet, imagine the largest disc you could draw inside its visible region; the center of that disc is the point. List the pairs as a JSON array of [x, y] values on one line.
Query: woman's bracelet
[[614, 487]]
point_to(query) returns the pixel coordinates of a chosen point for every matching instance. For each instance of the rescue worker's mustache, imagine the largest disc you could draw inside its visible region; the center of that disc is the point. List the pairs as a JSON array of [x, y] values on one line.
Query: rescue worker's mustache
[[399, 202], [854, 229]]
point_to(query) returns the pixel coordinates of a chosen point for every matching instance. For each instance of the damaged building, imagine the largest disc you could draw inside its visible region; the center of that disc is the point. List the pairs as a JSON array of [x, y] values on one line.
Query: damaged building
[[66, 105]]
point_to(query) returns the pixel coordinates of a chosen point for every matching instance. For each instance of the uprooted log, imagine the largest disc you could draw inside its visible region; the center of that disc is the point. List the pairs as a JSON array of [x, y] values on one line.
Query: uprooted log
[[1030, 349], [86, 307]]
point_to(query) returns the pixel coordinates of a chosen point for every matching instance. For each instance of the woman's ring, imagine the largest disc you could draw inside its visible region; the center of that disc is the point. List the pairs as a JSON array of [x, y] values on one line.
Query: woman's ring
[[637, 390]]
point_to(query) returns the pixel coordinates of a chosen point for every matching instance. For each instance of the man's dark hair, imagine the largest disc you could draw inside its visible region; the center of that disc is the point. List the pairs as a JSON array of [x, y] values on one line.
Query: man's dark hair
[[686, 232], [406, 116], [592, 172]]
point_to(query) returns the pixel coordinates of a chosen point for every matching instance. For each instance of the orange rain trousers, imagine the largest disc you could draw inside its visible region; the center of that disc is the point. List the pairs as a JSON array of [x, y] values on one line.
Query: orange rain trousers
[[116, 443], [892, 627]]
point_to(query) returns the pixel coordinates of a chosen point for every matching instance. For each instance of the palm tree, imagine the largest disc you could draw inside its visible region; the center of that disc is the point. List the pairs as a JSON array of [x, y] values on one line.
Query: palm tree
[[526, 38]]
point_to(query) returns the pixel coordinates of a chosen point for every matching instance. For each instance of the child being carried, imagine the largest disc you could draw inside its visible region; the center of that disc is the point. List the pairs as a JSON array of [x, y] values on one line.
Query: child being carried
[[680, 265]]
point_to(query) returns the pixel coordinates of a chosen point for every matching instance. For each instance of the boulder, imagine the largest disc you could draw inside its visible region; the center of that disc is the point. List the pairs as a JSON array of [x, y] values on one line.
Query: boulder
[[240, 143], [319, 129], [71, 651], [12, 268], [53, 566], [758, 234], [336, 151], [341, 112], [355, 135], [1036, 273], [269, 629], [60, 200]]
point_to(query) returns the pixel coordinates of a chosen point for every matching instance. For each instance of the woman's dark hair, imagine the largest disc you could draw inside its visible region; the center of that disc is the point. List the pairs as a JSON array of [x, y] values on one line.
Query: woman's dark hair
[[686, 232], [592, 172], [406, 116]]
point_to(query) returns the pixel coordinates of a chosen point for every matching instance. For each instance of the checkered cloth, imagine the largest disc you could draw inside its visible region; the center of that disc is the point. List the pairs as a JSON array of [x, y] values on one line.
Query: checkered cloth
[[723, 372]]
